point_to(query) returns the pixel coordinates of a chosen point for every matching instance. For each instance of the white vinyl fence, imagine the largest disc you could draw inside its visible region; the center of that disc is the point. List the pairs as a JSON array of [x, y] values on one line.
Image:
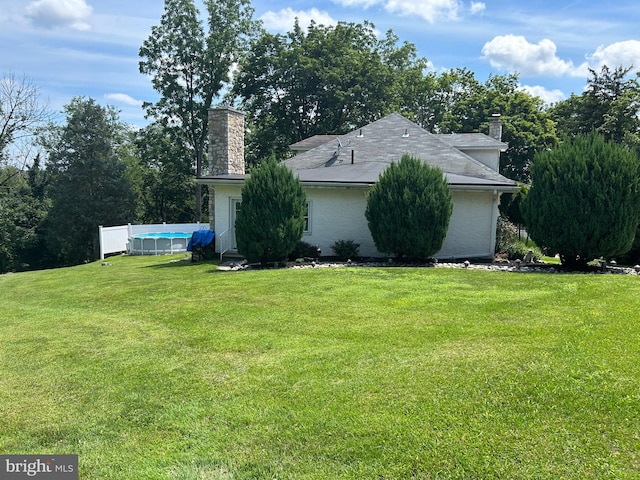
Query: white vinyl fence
[[116, 239]]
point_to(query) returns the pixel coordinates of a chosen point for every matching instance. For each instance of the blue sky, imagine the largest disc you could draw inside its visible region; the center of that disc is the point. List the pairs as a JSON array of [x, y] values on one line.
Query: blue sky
[[90, 47]]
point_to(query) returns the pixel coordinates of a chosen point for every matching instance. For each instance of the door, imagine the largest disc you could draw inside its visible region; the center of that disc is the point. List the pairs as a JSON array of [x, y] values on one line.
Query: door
[[234, 208]]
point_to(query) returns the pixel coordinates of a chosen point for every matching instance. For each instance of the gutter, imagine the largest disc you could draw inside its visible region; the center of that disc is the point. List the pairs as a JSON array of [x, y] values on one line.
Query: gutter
[[365, 185]]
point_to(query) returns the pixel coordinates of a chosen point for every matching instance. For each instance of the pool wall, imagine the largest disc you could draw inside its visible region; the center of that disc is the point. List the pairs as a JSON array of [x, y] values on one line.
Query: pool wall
[[159, 243], [118, 238]]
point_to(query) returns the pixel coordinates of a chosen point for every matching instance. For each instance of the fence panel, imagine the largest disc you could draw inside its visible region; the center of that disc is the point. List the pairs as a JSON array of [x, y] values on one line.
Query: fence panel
[[113, 239]]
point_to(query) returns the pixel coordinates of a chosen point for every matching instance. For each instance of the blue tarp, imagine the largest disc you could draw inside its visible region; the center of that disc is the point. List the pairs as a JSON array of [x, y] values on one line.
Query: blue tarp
[[200, 238]]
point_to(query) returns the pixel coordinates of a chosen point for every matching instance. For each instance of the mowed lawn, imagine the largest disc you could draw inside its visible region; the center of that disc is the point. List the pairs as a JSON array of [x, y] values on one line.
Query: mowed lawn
[[153, 368]]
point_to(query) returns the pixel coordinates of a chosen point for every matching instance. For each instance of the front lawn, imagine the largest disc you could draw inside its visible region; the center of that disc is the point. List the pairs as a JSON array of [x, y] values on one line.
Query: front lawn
[[152, 368]]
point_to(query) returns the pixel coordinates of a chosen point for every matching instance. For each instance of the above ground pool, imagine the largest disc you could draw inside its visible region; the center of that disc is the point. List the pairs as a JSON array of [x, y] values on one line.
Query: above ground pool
[[158, 243]]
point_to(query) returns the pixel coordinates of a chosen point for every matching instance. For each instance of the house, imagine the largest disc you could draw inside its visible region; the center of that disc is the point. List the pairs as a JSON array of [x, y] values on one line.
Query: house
[[337, 172]]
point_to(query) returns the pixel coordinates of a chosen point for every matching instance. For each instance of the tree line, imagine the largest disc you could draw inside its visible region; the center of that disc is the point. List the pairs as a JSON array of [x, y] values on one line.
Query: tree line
[[59, 181]]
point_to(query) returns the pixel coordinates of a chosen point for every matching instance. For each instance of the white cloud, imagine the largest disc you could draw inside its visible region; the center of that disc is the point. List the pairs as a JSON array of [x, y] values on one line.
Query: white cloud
[[477, 7], [514, 53], [123, 98], [284, 20], [621, 54], [547, 96], [60, 13], [429, 10], [357, 3]]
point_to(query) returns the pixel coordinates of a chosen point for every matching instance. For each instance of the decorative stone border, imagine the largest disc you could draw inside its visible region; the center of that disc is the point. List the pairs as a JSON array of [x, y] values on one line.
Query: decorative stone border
[[516, 267]]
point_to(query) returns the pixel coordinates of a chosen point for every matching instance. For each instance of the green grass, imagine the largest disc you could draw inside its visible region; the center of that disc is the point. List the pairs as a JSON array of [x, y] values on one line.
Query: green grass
[[157, 369]]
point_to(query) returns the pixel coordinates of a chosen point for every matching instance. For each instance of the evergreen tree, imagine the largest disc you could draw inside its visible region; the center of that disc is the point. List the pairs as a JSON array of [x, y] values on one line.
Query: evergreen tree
[[270, 221], [408, 209], [584, 201], [88, 182]]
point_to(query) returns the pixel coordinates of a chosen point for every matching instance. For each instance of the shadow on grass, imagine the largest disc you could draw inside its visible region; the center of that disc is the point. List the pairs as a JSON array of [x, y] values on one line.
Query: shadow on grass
[[186, 263]]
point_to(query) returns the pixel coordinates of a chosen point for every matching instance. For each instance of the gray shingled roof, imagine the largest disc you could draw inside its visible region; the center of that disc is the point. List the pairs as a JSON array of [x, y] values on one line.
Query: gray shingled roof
[[360, 156], [471, 140], [312, 142], [373, 147]]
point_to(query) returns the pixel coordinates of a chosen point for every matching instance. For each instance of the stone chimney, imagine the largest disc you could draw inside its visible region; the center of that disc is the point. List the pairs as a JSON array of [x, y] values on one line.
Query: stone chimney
[[495, 127], [226, 141]]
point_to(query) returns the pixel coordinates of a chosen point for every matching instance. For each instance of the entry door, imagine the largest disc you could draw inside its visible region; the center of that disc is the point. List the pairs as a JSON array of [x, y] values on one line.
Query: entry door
[[235, 207]]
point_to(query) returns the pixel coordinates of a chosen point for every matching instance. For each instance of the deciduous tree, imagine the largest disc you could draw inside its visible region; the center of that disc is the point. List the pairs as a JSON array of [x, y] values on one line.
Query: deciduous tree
[[609, 106], [190, 67], [21, 111], [165, 177], [325, 80], [466, 105], [22, 211]]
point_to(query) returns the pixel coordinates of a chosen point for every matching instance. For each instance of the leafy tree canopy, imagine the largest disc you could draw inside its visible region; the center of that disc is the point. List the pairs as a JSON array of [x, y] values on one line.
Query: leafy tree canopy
[[22, 210], [163, 176], [609, 106], [190, 66], [326, 80], [465, 105], [330, 80]]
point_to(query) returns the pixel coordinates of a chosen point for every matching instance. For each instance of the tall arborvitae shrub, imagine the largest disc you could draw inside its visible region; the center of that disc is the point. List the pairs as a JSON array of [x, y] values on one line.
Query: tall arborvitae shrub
[[408, 209], [584, 200], [270, 221]]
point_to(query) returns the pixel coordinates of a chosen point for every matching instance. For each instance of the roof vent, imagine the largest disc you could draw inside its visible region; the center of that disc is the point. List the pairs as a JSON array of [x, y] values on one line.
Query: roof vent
[[406, 133], [360, 135]]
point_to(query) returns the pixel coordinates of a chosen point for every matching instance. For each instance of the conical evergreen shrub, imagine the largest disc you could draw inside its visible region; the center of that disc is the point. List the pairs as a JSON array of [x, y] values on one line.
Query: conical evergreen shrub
[[408, 210], [584, 200], [270, 221]]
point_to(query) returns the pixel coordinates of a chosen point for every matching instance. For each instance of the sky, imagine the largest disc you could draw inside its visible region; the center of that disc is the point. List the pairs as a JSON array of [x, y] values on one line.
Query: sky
[[89, 48]]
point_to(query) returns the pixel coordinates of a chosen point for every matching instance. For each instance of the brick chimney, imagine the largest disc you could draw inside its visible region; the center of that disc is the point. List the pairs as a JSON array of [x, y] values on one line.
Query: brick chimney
[[495, 127], [226, 141]]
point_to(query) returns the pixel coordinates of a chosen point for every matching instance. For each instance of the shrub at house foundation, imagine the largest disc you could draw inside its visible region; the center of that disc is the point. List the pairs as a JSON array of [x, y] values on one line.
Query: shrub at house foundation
[[584, 200], [408, 210], [270, 221], [304, 250], [346, 249]]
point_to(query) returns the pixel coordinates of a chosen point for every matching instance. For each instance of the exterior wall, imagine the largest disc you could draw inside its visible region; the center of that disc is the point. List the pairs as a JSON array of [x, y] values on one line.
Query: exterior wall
[[338, 214], [472, 228], [491, 158], [221, 218]]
